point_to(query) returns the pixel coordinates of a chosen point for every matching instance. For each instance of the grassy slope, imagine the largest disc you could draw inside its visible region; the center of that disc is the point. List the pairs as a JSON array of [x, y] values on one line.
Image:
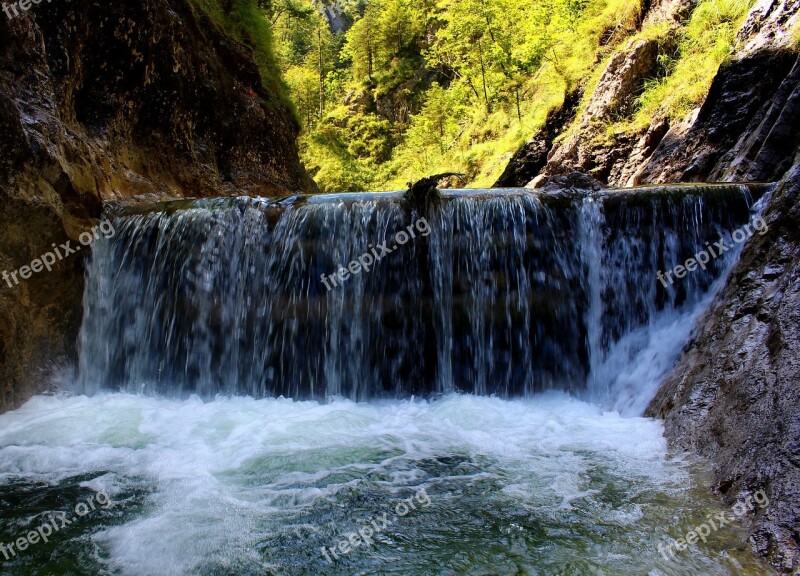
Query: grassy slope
[[704, 43], [689, 60], [691, 57], [483, 150]]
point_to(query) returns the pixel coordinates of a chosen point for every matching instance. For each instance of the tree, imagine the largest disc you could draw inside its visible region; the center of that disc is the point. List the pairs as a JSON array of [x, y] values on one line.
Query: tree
[[461, 46], [362, 43], [304, 86], [275, 9]]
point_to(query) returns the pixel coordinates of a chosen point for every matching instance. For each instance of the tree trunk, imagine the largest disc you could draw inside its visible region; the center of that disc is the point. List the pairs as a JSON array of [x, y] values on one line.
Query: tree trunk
[[321, 73], [483, 77]]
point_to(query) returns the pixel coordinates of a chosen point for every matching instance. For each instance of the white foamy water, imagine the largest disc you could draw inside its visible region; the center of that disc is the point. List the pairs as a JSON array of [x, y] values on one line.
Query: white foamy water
[[564, 297], [546, 485]]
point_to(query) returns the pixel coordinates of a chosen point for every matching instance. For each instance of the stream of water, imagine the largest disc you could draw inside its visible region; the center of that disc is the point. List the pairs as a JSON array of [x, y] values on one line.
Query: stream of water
[[243, 419]]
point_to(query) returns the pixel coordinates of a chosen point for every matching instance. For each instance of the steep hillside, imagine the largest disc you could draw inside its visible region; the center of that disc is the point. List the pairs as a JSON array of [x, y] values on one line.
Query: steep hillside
[[422, 87], [503, 91], [720, 103]]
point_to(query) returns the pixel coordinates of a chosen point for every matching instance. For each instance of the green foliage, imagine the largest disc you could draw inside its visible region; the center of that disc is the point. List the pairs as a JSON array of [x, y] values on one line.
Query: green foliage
[[362, 46], [415, 87], [330, 161], [370, 138], [432, 133], [432, 85], [705, 43]]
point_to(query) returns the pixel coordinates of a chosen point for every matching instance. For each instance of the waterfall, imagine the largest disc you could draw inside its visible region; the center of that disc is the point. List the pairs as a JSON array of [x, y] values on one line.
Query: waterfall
[[506, 292]]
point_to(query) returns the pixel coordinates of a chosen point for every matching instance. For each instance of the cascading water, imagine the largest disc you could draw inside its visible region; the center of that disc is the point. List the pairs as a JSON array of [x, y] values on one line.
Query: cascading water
[[215, 308], [506, 293]]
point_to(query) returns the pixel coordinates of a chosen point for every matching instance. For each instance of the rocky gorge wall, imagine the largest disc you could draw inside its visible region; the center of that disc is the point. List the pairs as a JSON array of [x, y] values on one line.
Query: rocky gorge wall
[[745, 130], [734, 396], [103, 102]]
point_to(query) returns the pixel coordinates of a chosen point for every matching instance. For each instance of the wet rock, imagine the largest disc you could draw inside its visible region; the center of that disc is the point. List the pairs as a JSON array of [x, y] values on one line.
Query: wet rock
[[39, 317], [734, 396], [115, 103], [104, 102], [768, 26], [424, 194]]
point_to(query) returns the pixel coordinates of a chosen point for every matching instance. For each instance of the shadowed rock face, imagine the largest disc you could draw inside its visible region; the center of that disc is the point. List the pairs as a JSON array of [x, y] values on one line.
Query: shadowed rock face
[[734, 396], [529, 160], [39, 318], [121, 100], [103, 102], [745, 131]]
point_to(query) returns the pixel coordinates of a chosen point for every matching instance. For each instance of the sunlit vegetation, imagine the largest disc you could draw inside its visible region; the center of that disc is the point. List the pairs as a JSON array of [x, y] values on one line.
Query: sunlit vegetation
[[401, 89], [704, 44], [413, 87]]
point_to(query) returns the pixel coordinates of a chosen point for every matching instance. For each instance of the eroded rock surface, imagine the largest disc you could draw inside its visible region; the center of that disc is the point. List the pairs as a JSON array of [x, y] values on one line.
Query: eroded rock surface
[[103, 102], [734, 396], [615, 93], [748, 128]]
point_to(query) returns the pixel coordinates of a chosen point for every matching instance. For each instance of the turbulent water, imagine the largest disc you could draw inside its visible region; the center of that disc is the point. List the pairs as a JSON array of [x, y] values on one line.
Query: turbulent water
[[548, 485], [507, 293], [242, 418]]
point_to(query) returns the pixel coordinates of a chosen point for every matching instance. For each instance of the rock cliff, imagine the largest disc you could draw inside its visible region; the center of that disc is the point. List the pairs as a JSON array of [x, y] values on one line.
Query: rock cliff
[[103, 102], [746, 129], [734, 396]]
